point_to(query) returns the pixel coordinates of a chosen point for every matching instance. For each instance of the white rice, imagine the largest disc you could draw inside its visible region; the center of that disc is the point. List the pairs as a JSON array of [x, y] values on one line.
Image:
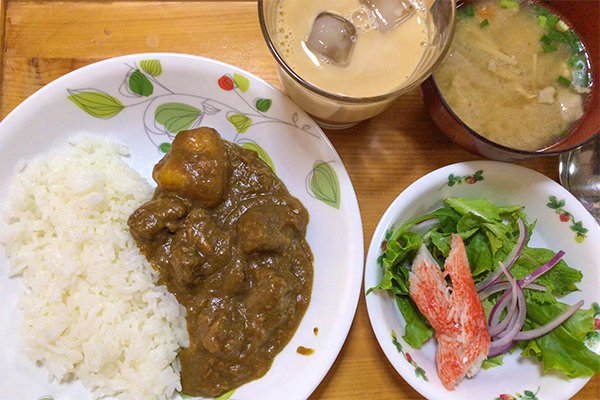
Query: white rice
[[91, 308]]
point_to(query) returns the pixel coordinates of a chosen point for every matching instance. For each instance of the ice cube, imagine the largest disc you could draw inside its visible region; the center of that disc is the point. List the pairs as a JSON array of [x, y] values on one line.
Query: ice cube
[[332, 36], [389, 13]]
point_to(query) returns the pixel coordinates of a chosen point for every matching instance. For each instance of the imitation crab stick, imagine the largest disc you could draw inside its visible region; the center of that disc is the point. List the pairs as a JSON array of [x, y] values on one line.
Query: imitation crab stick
[[453, 311]]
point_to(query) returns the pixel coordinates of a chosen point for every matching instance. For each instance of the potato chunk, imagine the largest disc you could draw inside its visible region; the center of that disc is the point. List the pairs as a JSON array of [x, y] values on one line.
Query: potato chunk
[[196, 167]]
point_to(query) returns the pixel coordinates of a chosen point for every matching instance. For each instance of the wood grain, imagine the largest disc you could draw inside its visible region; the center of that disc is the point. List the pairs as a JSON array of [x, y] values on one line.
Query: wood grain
[[44, 40], [2, 35]]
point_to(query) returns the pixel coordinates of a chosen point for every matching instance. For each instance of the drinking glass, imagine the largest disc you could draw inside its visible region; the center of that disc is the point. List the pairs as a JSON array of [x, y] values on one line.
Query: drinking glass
[[580, 174], [336, 111]]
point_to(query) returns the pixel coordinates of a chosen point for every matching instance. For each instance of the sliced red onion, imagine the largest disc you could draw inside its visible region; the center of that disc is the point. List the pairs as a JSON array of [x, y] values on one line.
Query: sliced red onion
[[506, 332], [522, 283], [518, 325], [542, 270], [542, 330], [498, 308], [501, 286], [495, 288], [489, 280], [520, 245], [426, 224], [509, 260], [512, 323], [534, 286], [495, 325], [499, 350]]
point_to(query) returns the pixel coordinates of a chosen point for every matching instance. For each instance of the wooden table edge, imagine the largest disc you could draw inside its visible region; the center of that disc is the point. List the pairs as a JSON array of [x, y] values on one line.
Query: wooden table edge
[[593, 387], [3, 5]]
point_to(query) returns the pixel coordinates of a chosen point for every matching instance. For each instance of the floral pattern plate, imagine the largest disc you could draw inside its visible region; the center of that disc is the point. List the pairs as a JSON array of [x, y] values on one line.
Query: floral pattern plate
[[562, 223], [143, 101]]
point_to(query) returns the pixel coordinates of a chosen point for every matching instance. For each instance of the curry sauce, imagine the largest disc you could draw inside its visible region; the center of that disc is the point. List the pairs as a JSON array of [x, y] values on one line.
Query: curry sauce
[[229, 242]]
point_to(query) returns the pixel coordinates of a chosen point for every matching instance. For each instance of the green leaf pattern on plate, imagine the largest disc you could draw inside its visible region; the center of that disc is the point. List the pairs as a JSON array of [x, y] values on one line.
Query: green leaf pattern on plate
[[225, 396], [176, 117], [322, 183], [453, 180], [593, 338], [139, 84], [527, 395], [172, 116], [165, 147], [263, 105], [419, 372], [151, 67], [241, 82], [241, 122], [96, 103], [262, 154], [565, 216]]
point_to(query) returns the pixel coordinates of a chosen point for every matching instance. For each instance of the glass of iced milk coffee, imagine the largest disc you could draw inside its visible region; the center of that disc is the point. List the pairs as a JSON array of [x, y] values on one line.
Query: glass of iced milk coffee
[[344, 61]]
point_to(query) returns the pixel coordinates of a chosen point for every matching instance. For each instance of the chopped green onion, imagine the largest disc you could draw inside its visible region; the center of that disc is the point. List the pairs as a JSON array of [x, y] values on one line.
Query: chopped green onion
[[571, 39], [562, 81], [577, 61], [509, 4], [568, 37], [552, 20], [543, 20], [564, 133], [484, 23], [555, 35], [546, 40], [469, 10], [561, 26]]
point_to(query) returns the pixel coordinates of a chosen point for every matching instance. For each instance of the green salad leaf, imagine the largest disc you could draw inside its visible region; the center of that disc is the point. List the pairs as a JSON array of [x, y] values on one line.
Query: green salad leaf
[[563, 348], [560, 280], [493, 362], [479, 254], [417, 330], [482, 208]]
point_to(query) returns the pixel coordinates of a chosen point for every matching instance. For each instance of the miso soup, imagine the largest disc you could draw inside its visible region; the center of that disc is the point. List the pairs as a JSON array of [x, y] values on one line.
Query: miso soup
[[516, 73]]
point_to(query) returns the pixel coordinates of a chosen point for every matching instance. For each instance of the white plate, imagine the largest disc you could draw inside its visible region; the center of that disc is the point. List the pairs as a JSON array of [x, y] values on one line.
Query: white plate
[[505, 184], [137, 102]]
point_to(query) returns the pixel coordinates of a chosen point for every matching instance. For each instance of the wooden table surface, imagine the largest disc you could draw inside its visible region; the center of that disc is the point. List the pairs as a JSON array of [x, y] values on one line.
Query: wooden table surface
[[42, 40]]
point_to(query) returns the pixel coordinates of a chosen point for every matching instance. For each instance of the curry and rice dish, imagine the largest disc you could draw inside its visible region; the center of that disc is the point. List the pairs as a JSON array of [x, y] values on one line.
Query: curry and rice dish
[[194, 288], [516, 73], [229, 241]]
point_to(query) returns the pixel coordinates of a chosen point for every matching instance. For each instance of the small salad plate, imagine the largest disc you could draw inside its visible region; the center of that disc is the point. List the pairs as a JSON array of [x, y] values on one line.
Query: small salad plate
[[561, 223]]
